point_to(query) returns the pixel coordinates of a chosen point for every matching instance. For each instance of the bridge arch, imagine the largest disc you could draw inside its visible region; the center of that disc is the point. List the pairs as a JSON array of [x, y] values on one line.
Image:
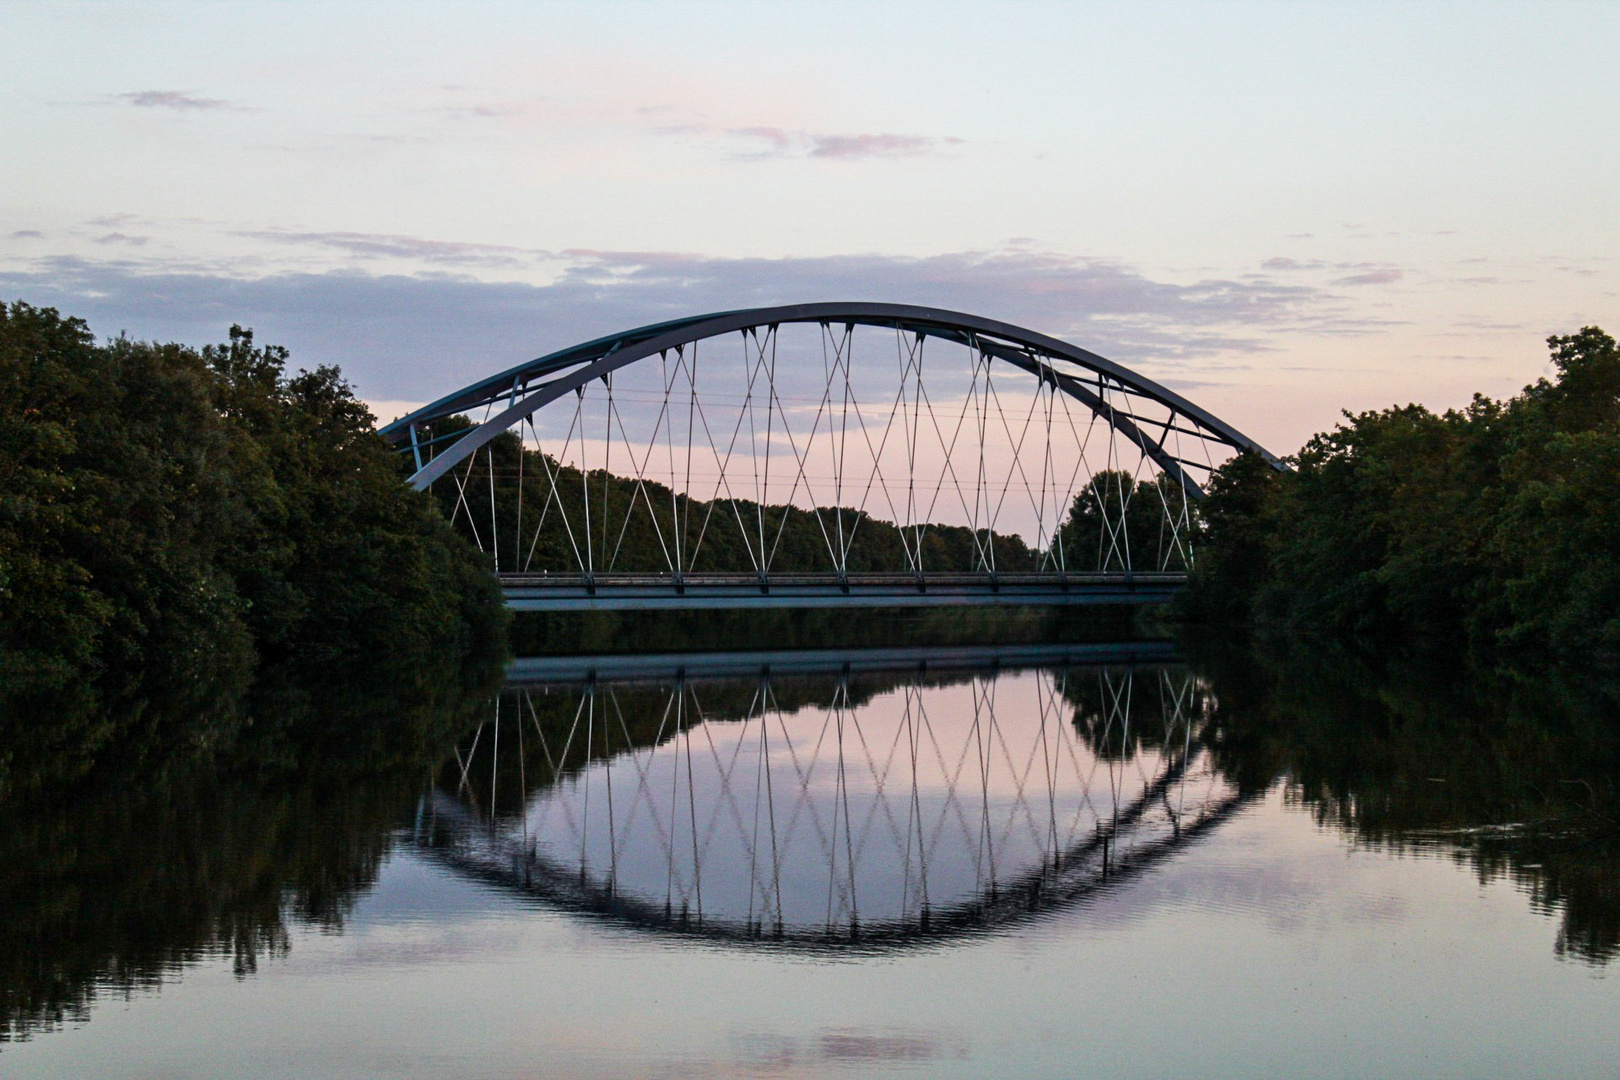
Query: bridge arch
[[1013, 390], [535, 384]]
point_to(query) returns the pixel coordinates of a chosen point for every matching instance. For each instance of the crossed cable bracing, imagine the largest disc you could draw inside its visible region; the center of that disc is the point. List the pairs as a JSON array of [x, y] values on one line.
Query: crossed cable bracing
[[706, 442]]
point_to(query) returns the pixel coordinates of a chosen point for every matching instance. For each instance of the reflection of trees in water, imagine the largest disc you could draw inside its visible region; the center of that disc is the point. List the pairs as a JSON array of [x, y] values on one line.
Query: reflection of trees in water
[[1564, 870], [147, 833], [608, 632], [1515, 774], [631, 715], [1123, 712], [186, 829]]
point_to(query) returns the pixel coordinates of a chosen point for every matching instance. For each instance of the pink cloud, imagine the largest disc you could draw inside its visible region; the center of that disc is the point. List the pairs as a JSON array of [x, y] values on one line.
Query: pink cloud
[[1373, 277]]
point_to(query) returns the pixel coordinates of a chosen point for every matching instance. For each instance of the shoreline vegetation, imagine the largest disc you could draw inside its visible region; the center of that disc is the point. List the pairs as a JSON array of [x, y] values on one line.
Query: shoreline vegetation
[[189, 515], [646, 520], [1494, 527], [196, 512]]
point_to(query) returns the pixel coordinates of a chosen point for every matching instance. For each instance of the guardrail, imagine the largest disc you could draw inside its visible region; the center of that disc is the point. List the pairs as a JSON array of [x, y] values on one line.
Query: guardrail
[[633, 592]]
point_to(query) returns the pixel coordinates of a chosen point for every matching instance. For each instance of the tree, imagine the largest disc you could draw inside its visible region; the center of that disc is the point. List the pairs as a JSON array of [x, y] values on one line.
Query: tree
[[1234, 557], [1117, 523], [197, 510], [1493, 524]]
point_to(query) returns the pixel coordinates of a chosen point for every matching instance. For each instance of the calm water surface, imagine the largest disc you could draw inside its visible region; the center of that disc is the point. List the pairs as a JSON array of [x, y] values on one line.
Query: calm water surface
[[1091, 861]]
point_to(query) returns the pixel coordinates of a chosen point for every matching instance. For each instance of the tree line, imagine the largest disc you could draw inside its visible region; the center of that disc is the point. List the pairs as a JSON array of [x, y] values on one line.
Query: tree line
[[202, 509], [1493, 524]]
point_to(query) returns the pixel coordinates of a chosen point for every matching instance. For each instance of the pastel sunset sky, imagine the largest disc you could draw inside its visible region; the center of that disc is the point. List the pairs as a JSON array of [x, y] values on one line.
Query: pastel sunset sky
[[1279, 209]]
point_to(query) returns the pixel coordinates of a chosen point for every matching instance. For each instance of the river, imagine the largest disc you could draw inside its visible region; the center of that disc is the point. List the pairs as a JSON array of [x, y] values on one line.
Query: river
[[1103, 860]]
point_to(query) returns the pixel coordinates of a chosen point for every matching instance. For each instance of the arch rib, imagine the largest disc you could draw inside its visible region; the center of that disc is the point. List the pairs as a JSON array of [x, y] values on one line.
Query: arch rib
[[533, 385]]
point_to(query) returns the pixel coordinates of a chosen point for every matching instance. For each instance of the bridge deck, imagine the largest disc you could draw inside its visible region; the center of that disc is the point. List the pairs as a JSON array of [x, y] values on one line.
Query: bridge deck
[[642, 592]]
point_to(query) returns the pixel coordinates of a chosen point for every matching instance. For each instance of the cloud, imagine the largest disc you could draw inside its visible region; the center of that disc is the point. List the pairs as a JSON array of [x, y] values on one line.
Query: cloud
[[1284, 263], [173, 99], [782, 138], [1372, 277], [122, 238], [501, 109], [1474, 324], [412, 337], [860, 146], [747, 141], [28, 234], [798, 143], [385, 245], [1366, 273]]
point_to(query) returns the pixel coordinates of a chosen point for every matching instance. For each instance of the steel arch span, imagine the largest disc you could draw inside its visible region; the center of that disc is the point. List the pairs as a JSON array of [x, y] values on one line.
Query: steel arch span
[[772, 456]]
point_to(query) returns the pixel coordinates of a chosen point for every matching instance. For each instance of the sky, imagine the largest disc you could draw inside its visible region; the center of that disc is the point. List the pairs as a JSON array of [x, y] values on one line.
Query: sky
[[1280, 210]]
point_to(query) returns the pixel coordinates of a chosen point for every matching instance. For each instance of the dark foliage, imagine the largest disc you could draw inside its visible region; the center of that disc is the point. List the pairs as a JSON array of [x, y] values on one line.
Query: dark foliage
[[1493, 524], [1117, 522], [539, 633], [200, 509]]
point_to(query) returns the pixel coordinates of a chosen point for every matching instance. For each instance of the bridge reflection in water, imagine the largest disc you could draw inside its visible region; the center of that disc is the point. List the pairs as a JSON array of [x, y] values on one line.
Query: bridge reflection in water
[[830, 800]]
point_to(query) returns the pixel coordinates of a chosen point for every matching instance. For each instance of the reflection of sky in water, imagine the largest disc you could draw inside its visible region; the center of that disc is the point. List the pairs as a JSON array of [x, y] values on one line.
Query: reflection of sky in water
[[843, 816], [1270, 945]]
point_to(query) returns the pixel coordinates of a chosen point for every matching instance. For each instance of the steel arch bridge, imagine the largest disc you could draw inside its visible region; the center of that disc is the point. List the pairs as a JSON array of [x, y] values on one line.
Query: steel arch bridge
[[769, 457]]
